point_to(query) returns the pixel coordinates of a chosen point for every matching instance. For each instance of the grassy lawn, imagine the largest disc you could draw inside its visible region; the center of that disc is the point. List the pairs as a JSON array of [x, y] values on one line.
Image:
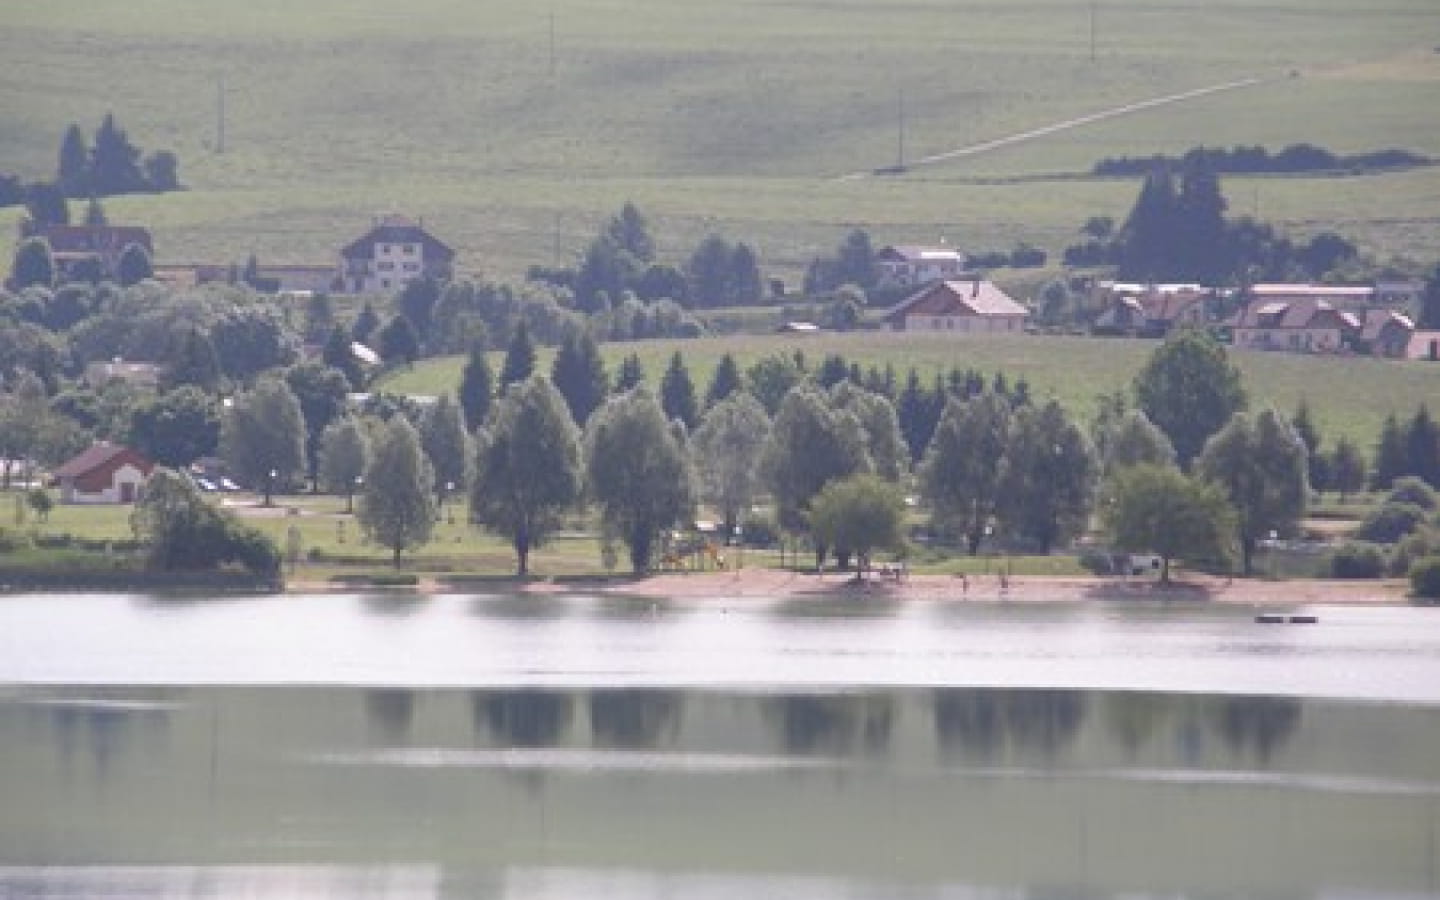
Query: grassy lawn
[[1348, 396], [737, 117]]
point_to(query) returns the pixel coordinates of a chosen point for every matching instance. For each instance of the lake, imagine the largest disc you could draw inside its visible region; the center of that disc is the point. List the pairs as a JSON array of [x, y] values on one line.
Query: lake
[[394, 746]]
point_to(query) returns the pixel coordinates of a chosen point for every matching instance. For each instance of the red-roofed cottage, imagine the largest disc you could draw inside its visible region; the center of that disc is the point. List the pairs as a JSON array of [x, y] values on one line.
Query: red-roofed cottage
[[958, 306], [105, 473]]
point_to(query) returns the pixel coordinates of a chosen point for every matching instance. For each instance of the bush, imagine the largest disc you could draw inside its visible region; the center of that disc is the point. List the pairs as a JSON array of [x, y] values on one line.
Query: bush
[[1410, 489], [1425, 578], [1391, 522], [1357, 560], [10, 541], [1414, 546], [1097, 562], [394, 579]]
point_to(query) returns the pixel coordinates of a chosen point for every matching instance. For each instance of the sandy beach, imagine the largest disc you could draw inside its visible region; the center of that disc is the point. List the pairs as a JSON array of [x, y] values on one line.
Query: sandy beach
[[772, 584]]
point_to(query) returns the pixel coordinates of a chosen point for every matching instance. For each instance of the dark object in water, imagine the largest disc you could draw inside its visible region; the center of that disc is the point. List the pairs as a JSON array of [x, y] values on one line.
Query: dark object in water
[[1270, 619]]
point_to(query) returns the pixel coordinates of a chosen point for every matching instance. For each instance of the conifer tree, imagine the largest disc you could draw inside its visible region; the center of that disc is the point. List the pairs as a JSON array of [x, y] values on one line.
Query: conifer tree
[[477, 388], [677, 393], [519, 357]]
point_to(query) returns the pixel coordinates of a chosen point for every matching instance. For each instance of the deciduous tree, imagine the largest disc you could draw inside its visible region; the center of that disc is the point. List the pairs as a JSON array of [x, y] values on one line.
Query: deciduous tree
[[960, 475], [397, 504], [262, 436], [177, 427], [321, 392], [447, 445], [728, 448], [1260, 464], [811, 444], [1160, 510], [34, 264], [528, 468], [1189, 389], [1048, 479], [859, 515], [344, 456], [638, 473]]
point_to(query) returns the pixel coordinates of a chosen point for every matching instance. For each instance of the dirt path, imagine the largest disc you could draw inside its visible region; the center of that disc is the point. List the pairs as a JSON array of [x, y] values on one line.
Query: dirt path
[[1046, 130]]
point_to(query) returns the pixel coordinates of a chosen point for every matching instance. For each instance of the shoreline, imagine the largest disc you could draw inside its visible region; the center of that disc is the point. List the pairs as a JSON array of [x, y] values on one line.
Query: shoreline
[[772, 584]]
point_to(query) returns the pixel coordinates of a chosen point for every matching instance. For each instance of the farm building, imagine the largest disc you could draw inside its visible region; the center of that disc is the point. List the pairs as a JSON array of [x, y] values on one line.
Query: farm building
[[105, 473]]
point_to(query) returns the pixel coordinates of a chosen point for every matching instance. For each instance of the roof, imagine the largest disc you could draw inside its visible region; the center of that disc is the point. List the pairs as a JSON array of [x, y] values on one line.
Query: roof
[[1377, 320], [100, 457], [95, 238], [1294, 314], [1170, 305], [913, 253], [957, 298], [1311, 290], [398, 230]]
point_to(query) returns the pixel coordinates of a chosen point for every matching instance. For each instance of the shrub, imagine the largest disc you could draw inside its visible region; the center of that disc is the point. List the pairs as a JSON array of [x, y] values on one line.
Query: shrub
[[1357, 560], [1425, 578], [1096, 562], [1391, 522], [10, 541], [1410, 489], [1414, 546]]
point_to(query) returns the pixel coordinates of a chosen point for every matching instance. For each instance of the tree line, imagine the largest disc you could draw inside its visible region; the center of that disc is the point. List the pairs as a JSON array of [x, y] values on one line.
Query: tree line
[[1256, 160], [108, 165]]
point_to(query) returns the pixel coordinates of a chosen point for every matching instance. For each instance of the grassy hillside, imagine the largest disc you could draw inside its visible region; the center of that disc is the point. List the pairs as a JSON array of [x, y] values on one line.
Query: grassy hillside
[[1347, 396], [736, 116]]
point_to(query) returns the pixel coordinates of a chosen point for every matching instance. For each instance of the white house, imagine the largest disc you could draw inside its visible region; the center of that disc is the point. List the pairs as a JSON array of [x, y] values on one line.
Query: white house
[[971, 307], [910, 266], [105, 473], [394, 251]]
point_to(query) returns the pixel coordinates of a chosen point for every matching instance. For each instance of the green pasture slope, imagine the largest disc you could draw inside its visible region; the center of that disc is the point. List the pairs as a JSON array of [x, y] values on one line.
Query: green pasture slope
[[738, 117], [1348, 396]]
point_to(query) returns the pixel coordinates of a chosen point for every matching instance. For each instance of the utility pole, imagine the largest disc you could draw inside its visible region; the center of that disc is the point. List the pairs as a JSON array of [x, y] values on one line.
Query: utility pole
[[900, 137], [220, 113], [1093, 5]]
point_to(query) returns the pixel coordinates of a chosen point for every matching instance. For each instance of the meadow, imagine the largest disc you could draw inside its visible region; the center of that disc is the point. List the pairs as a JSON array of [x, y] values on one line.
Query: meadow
[[515, 129], [1348, 396]]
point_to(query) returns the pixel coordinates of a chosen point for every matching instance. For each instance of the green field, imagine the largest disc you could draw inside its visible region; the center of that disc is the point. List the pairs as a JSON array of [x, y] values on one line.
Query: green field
[[738, 117], [1348, 396]]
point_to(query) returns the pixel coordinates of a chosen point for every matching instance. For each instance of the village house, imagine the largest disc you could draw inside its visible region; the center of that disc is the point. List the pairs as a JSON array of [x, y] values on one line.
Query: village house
[[105, 473], [395, 250], [1151, 310], [78, 248], [136, 374], [971, 307], [1298, 326], [910, 266], [1424, 345]]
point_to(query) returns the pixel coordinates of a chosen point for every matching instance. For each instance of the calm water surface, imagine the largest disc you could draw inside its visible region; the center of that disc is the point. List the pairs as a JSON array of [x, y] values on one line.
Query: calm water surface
[[557, 747]]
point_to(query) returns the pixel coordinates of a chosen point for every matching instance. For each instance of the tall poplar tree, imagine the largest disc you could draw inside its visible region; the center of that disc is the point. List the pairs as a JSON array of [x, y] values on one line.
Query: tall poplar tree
[[477, 388]]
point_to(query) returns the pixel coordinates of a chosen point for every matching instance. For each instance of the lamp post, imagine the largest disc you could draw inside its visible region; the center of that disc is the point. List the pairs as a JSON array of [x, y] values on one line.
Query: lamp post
[[350, 501], [450, 513], [270, 486]]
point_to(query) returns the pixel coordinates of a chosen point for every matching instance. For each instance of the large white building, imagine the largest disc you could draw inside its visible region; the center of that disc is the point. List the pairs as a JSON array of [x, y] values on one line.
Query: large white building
[[394, 251]]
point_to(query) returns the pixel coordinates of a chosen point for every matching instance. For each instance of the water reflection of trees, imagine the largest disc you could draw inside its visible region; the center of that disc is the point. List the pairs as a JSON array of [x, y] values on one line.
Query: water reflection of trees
[[390, 712], [634, 719], [523, 718], [1133, 717], [981, 722], [1256, 725], [835, 724], [104, 721]]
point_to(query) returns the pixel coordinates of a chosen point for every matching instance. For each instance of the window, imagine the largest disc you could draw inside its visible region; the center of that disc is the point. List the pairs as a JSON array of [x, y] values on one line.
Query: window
[[384, 282], [387, 266], [409, 249], [411, 267]]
